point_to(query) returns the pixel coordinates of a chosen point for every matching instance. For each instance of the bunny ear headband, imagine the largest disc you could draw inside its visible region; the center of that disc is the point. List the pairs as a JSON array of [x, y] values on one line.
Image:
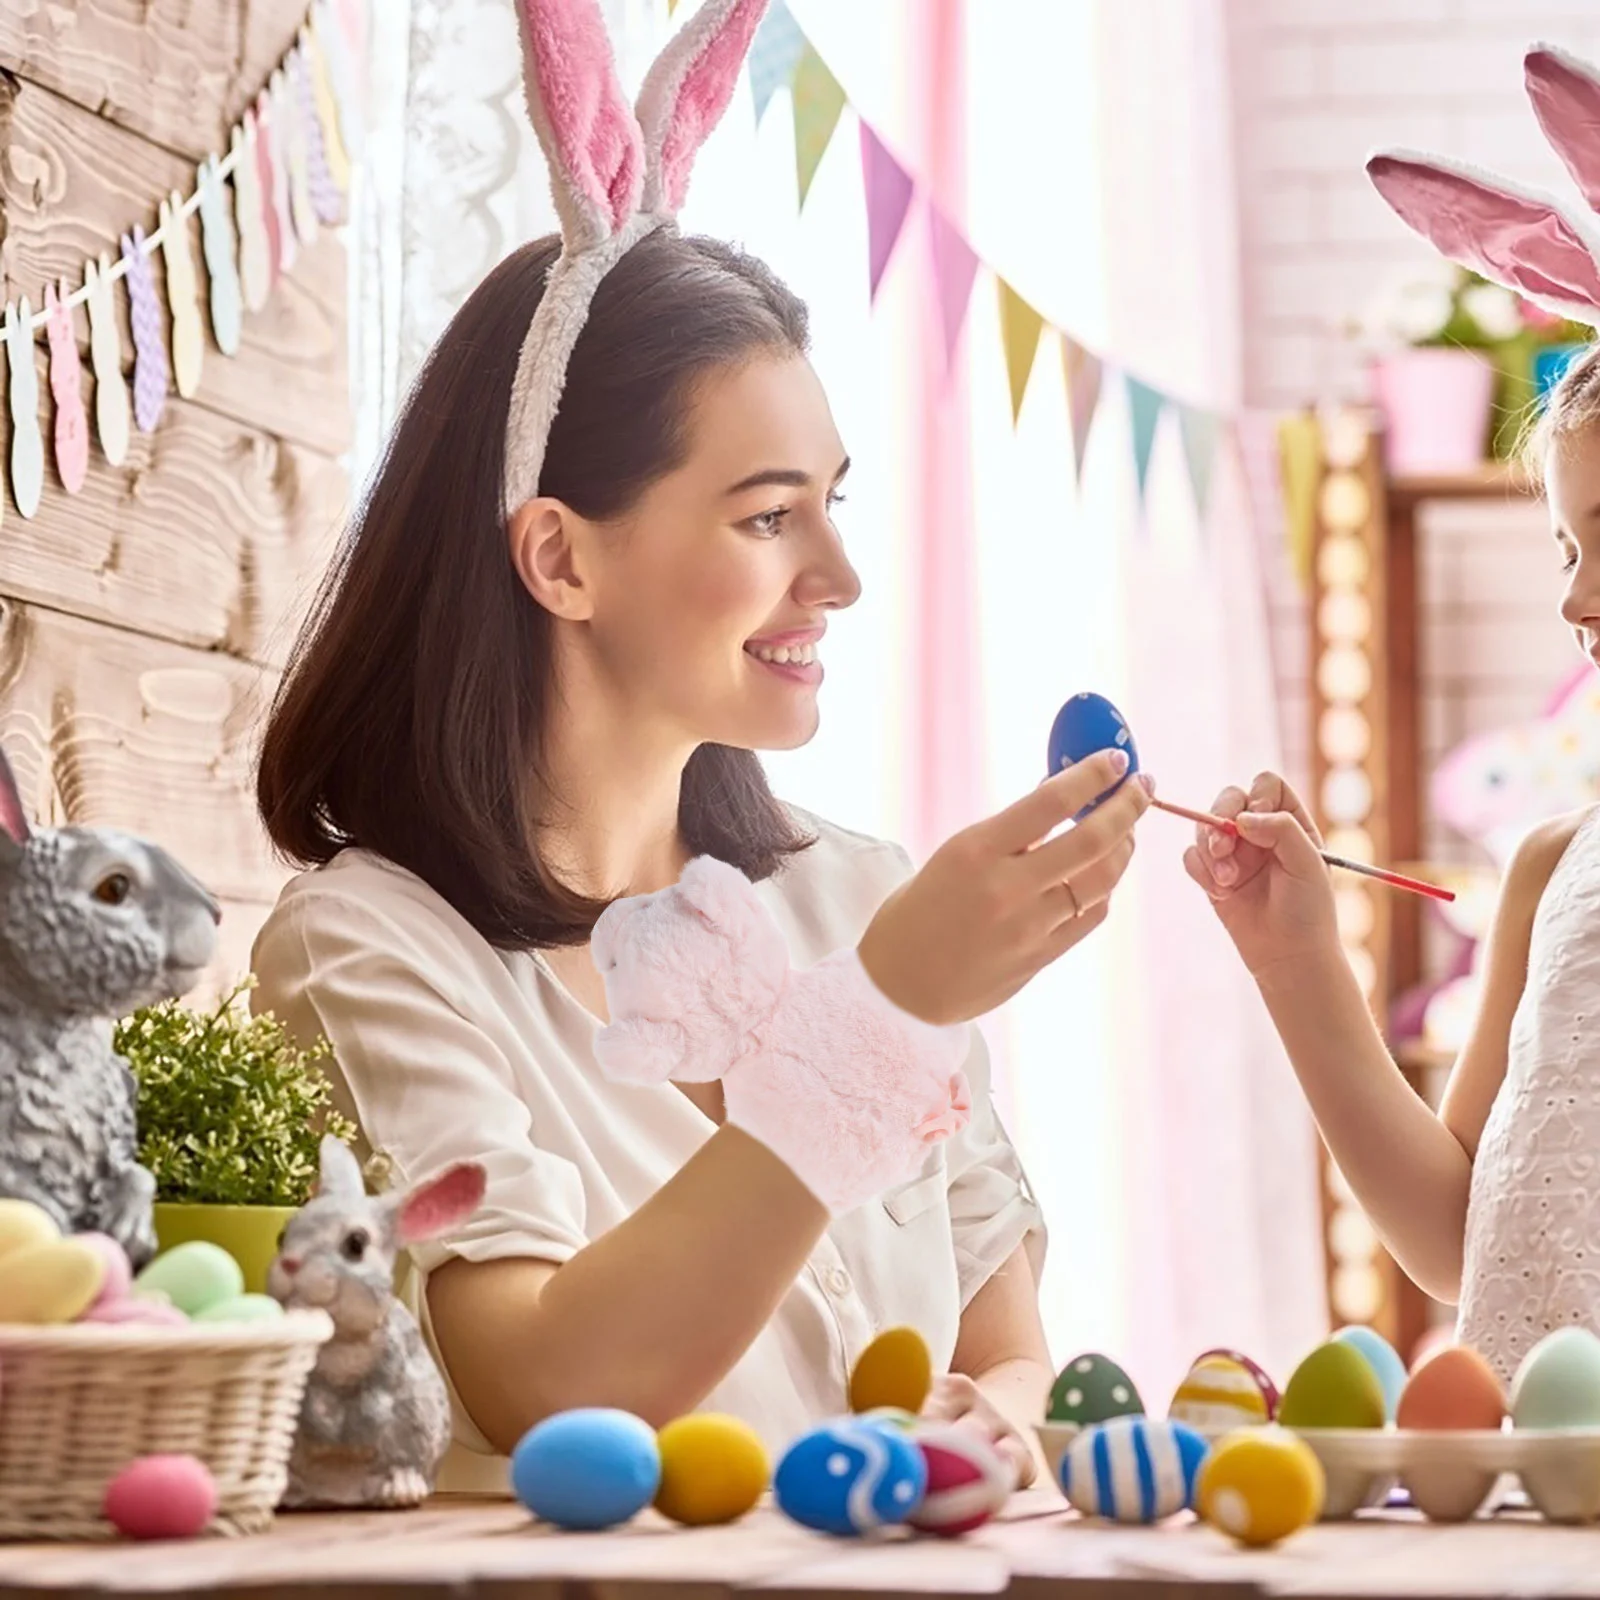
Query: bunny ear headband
[[616, 173], [1545, 249]]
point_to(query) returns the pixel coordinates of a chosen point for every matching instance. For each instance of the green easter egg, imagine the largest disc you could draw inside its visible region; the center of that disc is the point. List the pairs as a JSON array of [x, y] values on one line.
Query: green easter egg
[[193, 1276], [1334, 1387], [1558, 1383], [242, 1308], [1090, 1389]]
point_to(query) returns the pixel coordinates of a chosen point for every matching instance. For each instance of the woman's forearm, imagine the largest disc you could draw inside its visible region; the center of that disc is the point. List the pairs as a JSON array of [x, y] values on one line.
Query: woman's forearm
[[1408, 1170], [651, 1316], [1019, 1389]]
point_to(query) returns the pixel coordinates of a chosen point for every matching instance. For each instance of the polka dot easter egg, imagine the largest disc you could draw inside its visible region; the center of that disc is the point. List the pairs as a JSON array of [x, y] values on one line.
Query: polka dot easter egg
[[1334, 1387], [1085, 724], [968, 1482], [894, 1370], [591, 1467], [1133, 1469], [1269, 1390], [1384, 1360], [1090, 1389], [1218, 1395], [1260, 1485], [850, 1477]]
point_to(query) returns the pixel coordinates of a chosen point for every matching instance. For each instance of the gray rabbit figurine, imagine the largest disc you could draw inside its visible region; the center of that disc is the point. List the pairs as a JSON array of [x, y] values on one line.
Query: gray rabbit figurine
[[375, 1421], [93, 924]]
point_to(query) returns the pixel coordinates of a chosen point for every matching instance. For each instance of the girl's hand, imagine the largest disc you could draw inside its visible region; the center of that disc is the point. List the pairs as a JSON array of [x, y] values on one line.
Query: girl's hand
[[1270, 887], [1000, 900], [955, 1398]]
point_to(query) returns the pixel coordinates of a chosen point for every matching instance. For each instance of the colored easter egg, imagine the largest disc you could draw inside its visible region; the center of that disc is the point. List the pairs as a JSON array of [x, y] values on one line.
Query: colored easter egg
[[894, 1370], [22, 1223], [1219, 1393], [968, 1480], [1269, 1390], [135, 1308], [242, 1308], [850, 1476], [1085, 724], [713, 1469], [1132, 1469], [1091, 1388], [50, 1283], [118, 1272], [592, 1467], [193, 1275], [1260, 1485], [161, 1497], [1334, 1387], [1455, 1388], [1558, 1383], [1384, 1360]]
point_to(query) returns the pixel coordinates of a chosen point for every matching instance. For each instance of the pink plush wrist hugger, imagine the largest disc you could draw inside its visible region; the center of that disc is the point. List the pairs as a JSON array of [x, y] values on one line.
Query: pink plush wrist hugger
[[837, 1081]]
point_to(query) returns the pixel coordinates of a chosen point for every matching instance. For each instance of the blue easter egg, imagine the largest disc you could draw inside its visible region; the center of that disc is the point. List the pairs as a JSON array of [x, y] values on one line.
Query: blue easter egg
[[1085, 724], [1384, 1360], [850, 1476], [588, 1468], [1133, 1469]]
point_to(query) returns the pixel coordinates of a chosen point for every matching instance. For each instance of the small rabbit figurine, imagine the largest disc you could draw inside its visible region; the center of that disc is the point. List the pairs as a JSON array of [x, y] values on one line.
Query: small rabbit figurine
[[375, 1421], [93, 924]]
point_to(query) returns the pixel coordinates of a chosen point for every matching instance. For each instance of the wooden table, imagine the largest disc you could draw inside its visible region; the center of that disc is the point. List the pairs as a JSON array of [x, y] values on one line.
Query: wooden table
[[1040, 1551]]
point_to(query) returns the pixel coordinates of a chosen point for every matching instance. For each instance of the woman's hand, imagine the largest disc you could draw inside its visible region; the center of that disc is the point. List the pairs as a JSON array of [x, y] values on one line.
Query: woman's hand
[[1270, 887], [957, 1399], [1000, 900]]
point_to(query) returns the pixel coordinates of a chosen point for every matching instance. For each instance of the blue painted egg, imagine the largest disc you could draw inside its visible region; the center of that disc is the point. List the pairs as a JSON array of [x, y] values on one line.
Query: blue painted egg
[[1133, 1469], [588, 1468], [850, 1476], [1085, 724], [1384, 1360]]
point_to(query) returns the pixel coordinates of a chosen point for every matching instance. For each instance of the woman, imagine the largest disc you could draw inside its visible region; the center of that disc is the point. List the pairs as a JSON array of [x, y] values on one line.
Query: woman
[[496, 725]]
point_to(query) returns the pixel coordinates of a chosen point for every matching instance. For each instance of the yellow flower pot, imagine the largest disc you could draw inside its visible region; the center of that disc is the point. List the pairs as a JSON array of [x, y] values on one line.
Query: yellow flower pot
[[248, 1233]]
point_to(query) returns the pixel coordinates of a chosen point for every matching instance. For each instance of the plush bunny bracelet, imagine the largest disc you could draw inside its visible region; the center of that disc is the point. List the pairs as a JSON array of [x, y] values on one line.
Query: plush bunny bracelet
[[837, 1081]]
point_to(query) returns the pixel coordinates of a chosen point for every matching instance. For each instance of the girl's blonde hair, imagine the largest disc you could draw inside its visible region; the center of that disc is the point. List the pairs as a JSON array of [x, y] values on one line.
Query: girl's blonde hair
[[1572, 406]]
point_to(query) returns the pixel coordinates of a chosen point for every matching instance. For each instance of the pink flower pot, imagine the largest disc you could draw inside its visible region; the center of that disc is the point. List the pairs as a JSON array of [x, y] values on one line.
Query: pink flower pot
[[1436, 406]]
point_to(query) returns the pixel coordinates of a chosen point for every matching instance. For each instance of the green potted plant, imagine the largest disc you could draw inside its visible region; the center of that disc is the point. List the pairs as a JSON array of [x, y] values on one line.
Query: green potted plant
[[230, 1113]]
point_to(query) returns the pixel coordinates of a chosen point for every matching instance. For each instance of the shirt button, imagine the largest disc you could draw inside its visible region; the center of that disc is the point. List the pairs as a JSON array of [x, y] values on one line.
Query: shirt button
[[838, 1281]]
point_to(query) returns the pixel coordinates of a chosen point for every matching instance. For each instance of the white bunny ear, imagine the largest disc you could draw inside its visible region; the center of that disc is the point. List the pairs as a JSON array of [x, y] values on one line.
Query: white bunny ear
[[685, 92], [1520, 238], [1566, 99], [339, 1172]]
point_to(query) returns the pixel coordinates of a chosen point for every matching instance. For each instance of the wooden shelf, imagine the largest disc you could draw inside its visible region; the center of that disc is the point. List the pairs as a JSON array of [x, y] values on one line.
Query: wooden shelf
[[1493, 480]]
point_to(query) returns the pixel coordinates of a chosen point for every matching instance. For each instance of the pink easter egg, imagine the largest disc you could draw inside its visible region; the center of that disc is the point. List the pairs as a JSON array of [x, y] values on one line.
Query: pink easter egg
[[968, 1482], [119, 1271], [156, 1313], [161, 1497]]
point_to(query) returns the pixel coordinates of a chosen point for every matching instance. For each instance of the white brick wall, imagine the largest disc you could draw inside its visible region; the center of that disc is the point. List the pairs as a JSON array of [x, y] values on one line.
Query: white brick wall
[[1316, 85]]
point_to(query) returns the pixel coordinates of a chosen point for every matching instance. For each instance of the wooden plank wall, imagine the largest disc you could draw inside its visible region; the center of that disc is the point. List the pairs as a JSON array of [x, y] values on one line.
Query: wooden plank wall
[[144, 620]]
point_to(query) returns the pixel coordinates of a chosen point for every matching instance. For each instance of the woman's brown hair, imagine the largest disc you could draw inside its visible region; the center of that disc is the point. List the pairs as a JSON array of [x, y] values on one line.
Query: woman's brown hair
[[409, 718]]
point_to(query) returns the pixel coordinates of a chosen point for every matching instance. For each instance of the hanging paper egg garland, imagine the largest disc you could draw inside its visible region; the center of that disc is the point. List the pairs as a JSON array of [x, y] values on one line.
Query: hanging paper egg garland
[[1085, 725]]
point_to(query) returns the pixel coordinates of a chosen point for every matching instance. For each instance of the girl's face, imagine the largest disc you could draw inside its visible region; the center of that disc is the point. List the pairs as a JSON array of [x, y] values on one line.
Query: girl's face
[[1572, 490], [700, 617]]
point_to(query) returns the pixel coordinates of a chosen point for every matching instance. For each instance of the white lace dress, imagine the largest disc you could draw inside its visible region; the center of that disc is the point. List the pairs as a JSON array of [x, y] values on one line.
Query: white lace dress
[[1532, 1259]]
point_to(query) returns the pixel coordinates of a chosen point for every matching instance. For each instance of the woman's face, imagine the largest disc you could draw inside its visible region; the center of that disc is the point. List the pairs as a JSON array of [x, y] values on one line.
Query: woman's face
[[1572, 491], [705, 608]]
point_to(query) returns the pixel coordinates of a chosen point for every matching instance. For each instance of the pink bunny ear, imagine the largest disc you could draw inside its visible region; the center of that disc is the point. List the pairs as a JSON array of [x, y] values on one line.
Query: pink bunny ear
[[589, 133], [686, 91], [13, 819], [1566, 99], [442, 1203], [1520, 238]]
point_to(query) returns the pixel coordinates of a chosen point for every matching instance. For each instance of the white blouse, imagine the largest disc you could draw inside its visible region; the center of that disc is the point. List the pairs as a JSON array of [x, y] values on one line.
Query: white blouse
[[447, 1049]]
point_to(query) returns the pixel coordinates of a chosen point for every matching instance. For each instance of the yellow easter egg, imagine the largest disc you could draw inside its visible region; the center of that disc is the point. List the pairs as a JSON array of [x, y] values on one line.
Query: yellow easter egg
[[713, 1468], [1260, 1484], [50, 1283], [894, 1370], [22, 1223]]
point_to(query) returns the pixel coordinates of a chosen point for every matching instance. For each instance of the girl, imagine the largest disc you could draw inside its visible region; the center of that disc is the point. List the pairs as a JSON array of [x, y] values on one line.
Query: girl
[[535, 684]]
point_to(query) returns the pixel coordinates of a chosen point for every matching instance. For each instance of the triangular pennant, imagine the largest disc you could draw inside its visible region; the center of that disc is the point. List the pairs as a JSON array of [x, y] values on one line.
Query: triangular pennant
[[1082, 368], [1020, 327], [1300, 463], [1201, 430], [955, 266], [888, 190], [1144, 407], [672, 5], [774, 54], [818, 100]]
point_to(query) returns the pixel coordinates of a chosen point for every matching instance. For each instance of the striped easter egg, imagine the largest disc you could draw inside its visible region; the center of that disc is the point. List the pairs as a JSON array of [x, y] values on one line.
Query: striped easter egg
[[1132, 1469], [1219, 1393]]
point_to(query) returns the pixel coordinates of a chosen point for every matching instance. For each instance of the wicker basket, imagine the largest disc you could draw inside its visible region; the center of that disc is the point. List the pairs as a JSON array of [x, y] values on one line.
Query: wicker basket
[[79, 1402]]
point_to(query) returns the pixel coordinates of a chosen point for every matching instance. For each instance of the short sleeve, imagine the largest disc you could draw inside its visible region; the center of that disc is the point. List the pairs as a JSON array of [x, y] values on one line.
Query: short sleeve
[[415, 1066]]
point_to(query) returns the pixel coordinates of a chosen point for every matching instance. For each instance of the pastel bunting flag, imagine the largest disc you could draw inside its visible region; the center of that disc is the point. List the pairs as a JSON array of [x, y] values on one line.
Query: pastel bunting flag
[[325, 200], [1145, 406], [955, 266], [150, 371], [818, 102], [1300, 469], [774, 54], [1201, 431], [888, 193], [66, 385], [27, 445], [1082, 369], [105, 356], [1020, 327], [222, 267]]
